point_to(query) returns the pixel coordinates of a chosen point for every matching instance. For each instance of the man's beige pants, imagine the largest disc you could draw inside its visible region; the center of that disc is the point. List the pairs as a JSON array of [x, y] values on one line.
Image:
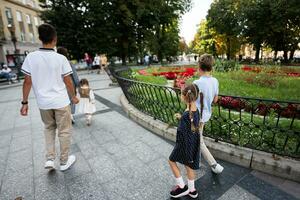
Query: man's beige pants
[[204, 151], [59, 119]]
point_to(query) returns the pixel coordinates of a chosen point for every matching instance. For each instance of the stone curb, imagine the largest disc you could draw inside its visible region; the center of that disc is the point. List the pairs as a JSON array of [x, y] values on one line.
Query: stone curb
[[265, 162]]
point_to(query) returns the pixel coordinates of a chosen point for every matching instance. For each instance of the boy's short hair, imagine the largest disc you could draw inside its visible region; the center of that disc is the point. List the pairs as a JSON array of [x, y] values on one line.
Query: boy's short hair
[[206, 62], [62, 51], [47, 33]]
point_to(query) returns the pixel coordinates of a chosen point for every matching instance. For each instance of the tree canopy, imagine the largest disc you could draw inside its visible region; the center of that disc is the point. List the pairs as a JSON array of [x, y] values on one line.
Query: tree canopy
[[123, 28], [274, 24]]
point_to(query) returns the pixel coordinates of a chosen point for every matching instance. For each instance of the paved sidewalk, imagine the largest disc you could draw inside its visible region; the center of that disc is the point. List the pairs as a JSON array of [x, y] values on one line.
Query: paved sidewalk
[[116, 159]]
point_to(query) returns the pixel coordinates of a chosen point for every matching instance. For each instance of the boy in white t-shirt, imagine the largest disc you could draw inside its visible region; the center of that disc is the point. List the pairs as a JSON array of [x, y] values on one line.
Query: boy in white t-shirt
[[48, 73], [209, 86]]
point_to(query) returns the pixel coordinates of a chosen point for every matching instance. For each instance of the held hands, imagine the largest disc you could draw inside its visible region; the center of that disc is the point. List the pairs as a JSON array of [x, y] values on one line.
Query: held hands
[[24, 110], [75, 100], [177, 116]]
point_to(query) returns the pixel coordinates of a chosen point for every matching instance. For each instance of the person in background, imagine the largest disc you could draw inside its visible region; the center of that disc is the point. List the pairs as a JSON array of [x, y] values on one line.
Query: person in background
[[103, 62], [146, 60], [6, 73], [63, 51], [89, 61], [48, 73], [96, 63], [209, 86]]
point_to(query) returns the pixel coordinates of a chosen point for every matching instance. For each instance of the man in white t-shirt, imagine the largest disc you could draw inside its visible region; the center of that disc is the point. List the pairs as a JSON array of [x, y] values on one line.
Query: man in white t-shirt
[[209, 86], [48, 73]]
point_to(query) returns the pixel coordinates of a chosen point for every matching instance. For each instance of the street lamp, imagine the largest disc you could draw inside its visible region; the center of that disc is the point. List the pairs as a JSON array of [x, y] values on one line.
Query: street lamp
[[12, 31]]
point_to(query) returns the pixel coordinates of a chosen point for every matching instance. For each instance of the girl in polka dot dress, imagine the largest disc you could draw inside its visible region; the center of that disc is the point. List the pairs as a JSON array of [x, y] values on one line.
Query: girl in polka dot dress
[[186, 150]]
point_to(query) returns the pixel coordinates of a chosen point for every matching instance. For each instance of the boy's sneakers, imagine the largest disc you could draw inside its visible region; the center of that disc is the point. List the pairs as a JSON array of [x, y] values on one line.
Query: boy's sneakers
[[179, 192], [49, 164], [70, 162], [217, 168], [193, 194]]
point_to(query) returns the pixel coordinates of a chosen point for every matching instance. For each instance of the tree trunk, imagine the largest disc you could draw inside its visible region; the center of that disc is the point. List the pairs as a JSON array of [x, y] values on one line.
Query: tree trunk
[[123, 59], [292, 55], [257, 50], [285, 56], [228, 49], [275, 55]]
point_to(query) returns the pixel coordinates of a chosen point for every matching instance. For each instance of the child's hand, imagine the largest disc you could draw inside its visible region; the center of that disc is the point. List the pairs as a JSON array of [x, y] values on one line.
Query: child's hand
[[177, 116]]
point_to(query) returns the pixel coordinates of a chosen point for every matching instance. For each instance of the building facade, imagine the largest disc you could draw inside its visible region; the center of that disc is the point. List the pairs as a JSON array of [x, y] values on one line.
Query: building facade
[[19, 20]]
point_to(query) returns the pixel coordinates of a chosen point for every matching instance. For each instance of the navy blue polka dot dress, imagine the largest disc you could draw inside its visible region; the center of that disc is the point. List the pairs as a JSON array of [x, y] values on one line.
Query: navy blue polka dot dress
[[186, 150]]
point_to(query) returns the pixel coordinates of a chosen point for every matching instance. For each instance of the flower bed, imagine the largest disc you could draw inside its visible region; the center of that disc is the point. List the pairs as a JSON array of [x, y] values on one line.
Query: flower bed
[[178, 74], [272, 70]]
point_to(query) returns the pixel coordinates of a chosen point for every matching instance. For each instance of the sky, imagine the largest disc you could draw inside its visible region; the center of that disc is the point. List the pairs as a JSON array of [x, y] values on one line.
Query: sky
[[191, 19]]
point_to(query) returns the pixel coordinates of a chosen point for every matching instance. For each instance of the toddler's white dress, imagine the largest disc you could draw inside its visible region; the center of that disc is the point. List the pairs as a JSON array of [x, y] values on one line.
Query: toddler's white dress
[[86, 105]]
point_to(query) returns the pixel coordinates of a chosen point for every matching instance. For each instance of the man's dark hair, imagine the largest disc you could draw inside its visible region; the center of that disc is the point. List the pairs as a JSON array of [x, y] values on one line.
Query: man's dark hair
[[47, 33]]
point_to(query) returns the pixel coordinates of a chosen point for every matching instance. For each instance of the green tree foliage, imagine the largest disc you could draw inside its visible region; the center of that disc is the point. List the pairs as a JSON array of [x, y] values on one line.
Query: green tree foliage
[[223, 17], [208, 40], [275, 24], [123, 28]]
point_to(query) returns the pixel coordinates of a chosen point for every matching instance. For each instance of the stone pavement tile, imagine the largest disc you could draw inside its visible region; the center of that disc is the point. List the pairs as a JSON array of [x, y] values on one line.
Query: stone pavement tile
[[135, 170], [103, 136], [164, 148], [5, 141], [22, 133], [116, 150], [20, 160], [100, 106], [17, 184], [212, 186], [286, 185], [122, 188], [262, 189], [143, 152], [3, 154], [291, 187], [20, 143], [86, 187], [105, 168], [276, 181], [113, 94], [150, 138], [51, 186], [162, 169], [79, 168], [90, 148], [80, 135], [158, 190], [238, 193]]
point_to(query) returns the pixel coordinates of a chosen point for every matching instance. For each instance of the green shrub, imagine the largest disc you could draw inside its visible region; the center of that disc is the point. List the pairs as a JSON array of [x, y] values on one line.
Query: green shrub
[[226, 65]]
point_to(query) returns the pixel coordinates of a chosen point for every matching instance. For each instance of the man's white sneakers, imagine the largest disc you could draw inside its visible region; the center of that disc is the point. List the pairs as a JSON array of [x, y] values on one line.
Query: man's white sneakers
[[217, 168], [70, 162], [49, 164]]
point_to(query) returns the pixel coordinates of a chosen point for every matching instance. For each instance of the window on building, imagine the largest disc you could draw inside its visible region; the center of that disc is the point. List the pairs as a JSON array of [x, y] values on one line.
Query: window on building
[[30, 28], [28, 19], [21, 26], [9, 16], [36, 21]]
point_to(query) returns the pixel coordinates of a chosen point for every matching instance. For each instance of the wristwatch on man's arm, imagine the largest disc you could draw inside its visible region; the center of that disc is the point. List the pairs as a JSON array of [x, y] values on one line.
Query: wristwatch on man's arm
[[24, 102]]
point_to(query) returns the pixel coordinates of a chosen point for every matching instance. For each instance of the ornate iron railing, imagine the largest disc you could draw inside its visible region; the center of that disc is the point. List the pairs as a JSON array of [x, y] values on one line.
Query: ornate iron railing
[[262, 124]]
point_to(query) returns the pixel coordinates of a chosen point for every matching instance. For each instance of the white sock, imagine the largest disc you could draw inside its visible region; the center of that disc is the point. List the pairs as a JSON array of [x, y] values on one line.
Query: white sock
[[179, 181], [191, 185]]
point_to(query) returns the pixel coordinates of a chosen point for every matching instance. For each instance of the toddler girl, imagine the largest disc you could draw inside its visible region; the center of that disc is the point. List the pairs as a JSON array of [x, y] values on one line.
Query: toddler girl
[[86, 104]]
